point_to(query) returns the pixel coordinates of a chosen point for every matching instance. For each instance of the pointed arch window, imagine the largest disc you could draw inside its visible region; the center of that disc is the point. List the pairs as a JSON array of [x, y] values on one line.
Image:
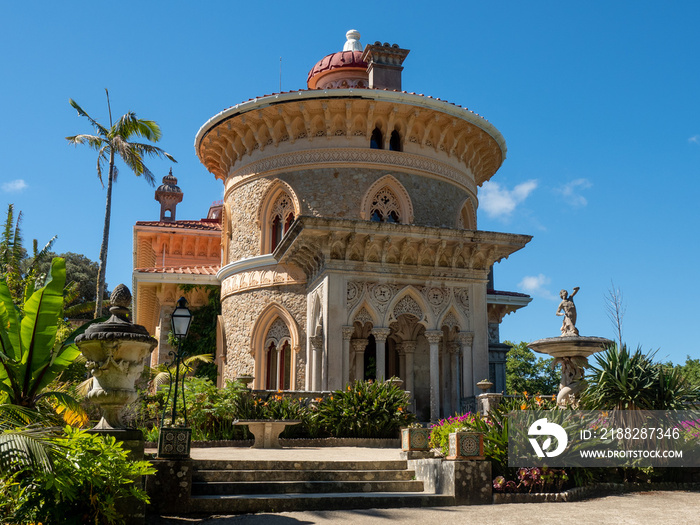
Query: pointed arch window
[[376, 141], [281, 218], [385, 207], [467, 216], [395, 141], [278, 357]]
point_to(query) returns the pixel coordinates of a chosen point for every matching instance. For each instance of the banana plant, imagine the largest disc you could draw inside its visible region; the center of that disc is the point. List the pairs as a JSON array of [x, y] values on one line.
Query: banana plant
[[30, 355]]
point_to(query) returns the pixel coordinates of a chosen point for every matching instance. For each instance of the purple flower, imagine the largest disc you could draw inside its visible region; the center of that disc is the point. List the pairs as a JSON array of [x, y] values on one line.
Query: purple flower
[[499, 483], [510, 486]]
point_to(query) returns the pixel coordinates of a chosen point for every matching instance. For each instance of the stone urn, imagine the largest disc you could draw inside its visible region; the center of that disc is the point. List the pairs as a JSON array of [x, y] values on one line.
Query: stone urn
[[115, 351], [484, 385], [246, 379]]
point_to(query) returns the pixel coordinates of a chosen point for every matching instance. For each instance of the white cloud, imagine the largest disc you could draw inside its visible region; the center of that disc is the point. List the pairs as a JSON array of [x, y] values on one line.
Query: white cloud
[[695, 139], [14, 186], [571, 191], [536, 285], [498, 201]]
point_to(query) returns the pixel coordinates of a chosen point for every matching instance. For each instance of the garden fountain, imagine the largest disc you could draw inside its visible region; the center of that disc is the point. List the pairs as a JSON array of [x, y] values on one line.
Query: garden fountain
[[570, 350]]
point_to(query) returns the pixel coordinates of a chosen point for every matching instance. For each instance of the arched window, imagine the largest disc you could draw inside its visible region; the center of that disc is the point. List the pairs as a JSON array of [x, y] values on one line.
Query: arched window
[[395, 141], [385, 207], [281, 218], [376, 141], [278, 350], [386, 200], [467, 216]]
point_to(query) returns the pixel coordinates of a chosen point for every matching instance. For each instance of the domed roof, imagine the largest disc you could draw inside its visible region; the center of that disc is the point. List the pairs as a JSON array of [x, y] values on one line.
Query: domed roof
[[349, 59], [169, 184]]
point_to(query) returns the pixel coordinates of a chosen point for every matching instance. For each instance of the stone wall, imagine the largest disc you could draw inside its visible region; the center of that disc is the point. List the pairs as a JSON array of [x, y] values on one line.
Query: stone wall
[[337, 193], [241, 311], [245, 233]]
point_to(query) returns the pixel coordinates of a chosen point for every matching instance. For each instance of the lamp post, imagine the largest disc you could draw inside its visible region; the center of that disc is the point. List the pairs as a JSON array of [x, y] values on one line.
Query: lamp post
[[174, 442]]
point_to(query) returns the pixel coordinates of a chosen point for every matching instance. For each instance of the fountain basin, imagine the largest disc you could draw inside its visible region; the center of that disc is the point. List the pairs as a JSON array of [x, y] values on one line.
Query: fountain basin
[[569, 346]]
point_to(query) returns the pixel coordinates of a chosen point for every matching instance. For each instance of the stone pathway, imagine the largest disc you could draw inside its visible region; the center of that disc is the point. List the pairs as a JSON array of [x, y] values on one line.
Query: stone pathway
[[642, 508]]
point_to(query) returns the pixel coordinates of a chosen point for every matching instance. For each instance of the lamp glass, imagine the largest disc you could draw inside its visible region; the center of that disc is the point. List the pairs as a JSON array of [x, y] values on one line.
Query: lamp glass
[[181, 318]]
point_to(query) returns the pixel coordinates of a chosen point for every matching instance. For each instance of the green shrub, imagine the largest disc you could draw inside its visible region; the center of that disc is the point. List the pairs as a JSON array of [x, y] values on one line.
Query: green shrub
[[366, 409], [440, 432], [89, 475]]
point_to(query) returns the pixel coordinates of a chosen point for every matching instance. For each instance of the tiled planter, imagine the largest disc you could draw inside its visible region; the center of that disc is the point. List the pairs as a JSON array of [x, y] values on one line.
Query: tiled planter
[[466, 445], [415, 439]]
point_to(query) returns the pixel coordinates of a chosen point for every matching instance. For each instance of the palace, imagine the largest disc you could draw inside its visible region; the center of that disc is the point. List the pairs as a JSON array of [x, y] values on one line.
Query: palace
[[346, 246]]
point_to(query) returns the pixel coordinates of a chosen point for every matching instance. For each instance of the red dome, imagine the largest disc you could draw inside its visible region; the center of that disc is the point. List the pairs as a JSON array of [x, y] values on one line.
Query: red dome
[[342, 59]]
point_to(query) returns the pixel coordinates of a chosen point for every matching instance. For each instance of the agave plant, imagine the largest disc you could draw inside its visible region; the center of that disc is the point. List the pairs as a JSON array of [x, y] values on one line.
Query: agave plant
[[624, 380]]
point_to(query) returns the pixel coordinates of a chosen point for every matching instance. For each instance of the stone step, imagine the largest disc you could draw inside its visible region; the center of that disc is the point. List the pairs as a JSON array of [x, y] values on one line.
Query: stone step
[[210, 464], [303, 475], [234, 504], [303, 487]]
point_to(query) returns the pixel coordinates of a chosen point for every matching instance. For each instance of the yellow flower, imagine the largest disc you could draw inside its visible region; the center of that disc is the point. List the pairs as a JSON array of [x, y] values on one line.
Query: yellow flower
[[523, 406], [525, 393], [554, 397]]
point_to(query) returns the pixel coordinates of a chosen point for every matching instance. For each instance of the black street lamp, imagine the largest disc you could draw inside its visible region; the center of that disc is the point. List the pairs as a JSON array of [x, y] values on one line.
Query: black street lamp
[[174, 442]]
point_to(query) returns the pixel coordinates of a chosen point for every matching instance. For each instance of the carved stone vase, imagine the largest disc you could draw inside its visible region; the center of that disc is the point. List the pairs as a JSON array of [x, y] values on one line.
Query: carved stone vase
[[115, 351]]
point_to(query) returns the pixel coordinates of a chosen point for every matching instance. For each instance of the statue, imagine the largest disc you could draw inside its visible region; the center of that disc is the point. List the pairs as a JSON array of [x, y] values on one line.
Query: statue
[[572, 382], [567, 308]]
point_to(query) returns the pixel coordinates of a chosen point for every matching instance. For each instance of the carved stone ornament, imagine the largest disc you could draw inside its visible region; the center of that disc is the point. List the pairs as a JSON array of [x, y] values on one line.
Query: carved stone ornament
[[437, 298], [462, 297], [354, 293], [115, 352], [450, 321], [409, 306], [277, 333], [381, 295], [363, 316]]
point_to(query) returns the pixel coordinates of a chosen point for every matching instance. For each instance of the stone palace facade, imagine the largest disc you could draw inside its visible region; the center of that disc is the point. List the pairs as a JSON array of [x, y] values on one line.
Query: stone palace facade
[[349, 240]]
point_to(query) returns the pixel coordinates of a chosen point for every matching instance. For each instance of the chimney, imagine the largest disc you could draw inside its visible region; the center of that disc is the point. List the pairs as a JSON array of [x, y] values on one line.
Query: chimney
[[384, 65]]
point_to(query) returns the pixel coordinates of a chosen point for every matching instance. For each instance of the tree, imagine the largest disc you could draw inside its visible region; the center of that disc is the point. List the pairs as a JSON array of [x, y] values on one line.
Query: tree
[[81, 276], [109, 143], [527, 373], [20, 272], [691, 370]]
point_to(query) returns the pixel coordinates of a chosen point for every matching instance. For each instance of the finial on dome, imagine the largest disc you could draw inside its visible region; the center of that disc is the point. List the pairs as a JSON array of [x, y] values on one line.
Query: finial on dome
[[353, 42]]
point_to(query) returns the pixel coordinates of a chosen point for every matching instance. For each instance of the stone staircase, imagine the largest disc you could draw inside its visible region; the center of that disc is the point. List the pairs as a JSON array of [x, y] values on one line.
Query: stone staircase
[[220, 487]]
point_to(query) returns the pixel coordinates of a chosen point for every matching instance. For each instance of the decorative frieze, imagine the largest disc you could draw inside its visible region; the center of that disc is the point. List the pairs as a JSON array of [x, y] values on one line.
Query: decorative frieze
[[279, 275]]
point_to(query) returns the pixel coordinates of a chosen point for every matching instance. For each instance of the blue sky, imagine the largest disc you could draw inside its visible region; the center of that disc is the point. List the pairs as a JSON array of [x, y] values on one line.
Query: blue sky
[[598, 101]]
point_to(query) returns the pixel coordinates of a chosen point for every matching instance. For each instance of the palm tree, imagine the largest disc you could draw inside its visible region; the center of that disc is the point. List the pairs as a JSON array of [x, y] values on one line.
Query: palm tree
[[110, 142]]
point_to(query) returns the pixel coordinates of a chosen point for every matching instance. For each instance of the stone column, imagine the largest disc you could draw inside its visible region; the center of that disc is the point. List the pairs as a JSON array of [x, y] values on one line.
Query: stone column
[[380, 335], [453, 348], [347, 335], [317, 355], [402, 364], [433, 337], [465, 340], [409, 350], [359, 346]]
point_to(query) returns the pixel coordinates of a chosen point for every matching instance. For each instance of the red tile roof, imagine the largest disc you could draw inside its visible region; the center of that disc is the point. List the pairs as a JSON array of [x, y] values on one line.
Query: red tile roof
[[203, 224], [183, 270]]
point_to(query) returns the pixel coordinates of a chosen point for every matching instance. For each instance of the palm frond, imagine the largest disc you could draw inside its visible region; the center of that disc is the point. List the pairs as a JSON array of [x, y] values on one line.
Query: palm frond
[[93, 141], [99, 127]]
